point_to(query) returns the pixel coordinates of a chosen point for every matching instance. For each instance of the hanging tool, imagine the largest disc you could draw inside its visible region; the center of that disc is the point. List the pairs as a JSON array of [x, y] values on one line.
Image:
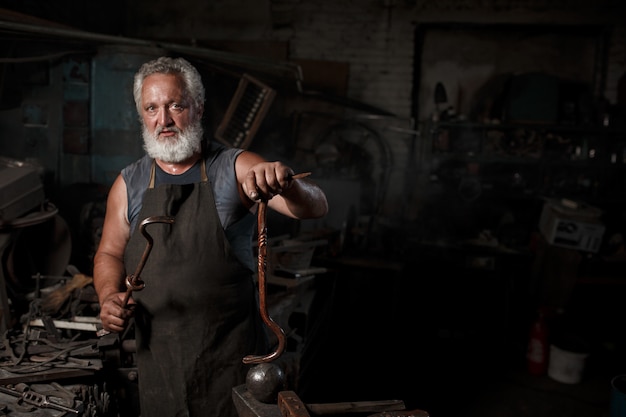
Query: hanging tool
[[133, 281], [441, 97]]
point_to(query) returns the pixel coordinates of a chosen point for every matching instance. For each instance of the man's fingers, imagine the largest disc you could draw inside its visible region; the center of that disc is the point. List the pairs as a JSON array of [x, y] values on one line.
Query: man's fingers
[[266, 180]]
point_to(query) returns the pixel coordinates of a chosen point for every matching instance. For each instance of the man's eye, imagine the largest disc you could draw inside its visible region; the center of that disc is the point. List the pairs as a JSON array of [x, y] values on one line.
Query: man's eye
[[177, 107]]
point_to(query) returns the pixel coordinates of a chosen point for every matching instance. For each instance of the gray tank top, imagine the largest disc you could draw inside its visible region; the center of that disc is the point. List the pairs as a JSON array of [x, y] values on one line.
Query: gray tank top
[[238, 222]]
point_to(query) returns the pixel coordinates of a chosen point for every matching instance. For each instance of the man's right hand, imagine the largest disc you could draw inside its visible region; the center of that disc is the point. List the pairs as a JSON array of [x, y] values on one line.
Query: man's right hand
[[113, 314]]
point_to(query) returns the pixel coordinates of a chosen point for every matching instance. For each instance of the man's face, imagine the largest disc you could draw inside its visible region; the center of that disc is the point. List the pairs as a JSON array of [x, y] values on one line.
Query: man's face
[[172, 127]]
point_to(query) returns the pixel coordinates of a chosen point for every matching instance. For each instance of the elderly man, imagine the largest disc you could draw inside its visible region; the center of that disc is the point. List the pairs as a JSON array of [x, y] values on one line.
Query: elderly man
[[198, 315]]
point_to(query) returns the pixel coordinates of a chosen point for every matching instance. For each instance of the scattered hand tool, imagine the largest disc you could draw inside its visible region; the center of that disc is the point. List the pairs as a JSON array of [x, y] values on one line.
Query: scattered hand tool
[[133, 281], [27, 396]]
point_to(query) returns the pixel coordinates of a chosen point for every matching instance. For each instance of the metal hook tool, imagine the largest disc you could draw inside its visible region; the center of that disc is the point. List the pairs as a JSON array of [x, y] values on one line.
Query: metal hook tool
[[262, 266], [262, 263], [133, 282]]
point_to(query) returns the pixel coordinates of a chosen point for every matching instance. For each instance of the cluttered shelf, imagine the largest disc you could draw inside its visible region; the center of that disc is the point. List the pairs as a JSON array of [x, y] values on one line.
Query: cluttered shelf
[[576, 143], [515, 165]]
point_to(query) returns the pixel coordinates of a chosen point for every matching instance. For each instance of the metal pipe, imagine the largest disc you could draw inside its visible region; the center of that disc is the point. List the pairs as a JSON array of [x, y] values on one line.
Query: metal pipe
[[215, 55]]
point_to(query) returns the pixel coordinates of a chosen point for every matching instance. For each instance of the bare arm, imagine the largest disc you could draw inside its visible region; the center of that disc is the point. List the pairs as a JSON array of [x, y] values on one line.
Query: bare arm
[[109, 272], [298, 199]]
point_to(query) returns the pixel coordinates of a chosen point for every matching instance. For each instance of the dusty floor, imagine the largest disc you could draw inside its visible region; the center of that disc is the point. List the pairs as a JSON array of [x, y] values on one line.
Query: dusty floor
[[520, 394]]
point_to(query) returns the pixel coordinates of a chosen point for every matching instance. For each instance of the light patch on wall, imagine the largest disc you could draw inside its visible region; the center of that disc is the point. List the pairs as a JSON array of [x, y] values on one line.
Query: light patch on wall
[[467, 59]]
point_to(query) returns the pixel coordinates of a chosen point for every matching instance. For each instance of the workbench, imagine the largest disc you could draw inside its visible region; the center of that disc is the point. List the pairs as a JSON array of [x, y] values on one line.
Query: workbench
[[288, 404]]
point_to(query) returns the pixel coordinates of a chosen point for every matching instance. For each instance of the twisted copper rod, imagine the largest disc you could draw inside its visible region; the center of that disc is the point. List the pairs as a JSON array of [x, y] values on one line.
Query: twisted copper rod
[[262, 266]]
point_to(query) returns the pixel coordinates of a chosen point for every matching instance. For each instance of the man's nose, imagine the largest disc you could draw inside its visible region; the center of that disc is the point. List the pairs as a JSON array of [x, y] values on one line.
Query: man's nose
[[164, 118]]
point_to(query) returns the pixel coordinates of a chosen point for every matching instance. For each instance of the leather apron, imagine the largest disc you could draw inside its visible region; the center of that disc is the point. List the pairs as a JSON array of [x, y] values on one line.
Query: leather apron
[[197, 316]]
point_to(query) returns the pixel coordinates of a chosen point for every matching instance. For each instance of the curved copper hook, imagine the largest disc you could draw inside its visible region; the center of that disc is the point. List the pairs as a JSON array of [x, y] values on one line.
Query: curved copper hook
[[133, 283], [262, 263]]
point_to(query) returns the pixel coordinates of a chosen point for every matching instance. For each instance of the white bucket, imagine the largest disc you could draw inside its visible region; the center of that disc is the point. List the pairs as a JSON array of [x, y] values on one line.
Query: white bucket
[[566, 366]]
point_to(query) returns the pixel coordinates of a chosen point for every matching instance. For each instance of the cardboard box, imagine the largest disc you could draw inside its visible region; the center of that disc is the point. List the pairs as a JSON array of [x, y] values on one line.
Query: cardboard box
[[21, 190], [572, 225]]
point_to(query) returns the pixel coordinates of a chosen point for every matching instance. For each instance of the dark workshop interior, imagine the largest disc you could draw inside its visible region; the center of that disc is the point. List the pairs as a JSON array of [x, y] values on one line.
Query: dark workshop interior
[[473, 154]]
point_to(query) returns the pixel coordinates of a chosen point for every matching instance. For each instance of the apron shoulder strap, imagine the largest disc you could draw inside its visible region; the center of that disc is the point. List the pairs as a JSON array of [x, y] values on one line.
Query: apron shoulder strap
[[203, 175], [152, 174]]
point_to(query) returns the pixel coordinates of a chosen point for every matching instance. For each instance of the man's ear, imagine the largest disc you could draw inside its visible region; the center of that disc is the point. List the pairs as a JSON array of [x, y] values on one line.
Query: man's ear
[[200, 111]]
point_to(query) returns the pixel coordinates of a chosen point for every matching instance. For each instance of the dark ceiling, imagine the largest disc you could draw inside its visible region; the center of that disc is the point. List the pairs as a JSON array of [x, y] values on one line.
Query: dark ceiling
[[95, 16]]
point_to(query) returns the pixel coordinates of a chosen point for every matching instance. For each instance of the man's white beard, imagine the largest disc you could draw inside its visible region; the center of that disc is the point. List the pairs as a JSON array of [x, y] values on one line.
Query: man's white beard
[[176, 148]]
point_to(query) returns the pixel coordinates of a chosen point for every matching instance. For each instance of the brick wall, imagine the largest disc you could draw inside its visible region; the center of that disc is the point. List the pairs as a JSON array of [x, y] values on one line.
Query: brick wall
[[376, 41]]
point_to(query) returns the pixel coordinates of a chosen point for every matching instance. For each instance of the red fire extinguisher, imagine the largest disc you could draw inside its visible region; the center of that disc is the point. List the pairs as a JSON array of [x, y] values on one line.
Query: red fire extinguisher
[[537, 354]]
